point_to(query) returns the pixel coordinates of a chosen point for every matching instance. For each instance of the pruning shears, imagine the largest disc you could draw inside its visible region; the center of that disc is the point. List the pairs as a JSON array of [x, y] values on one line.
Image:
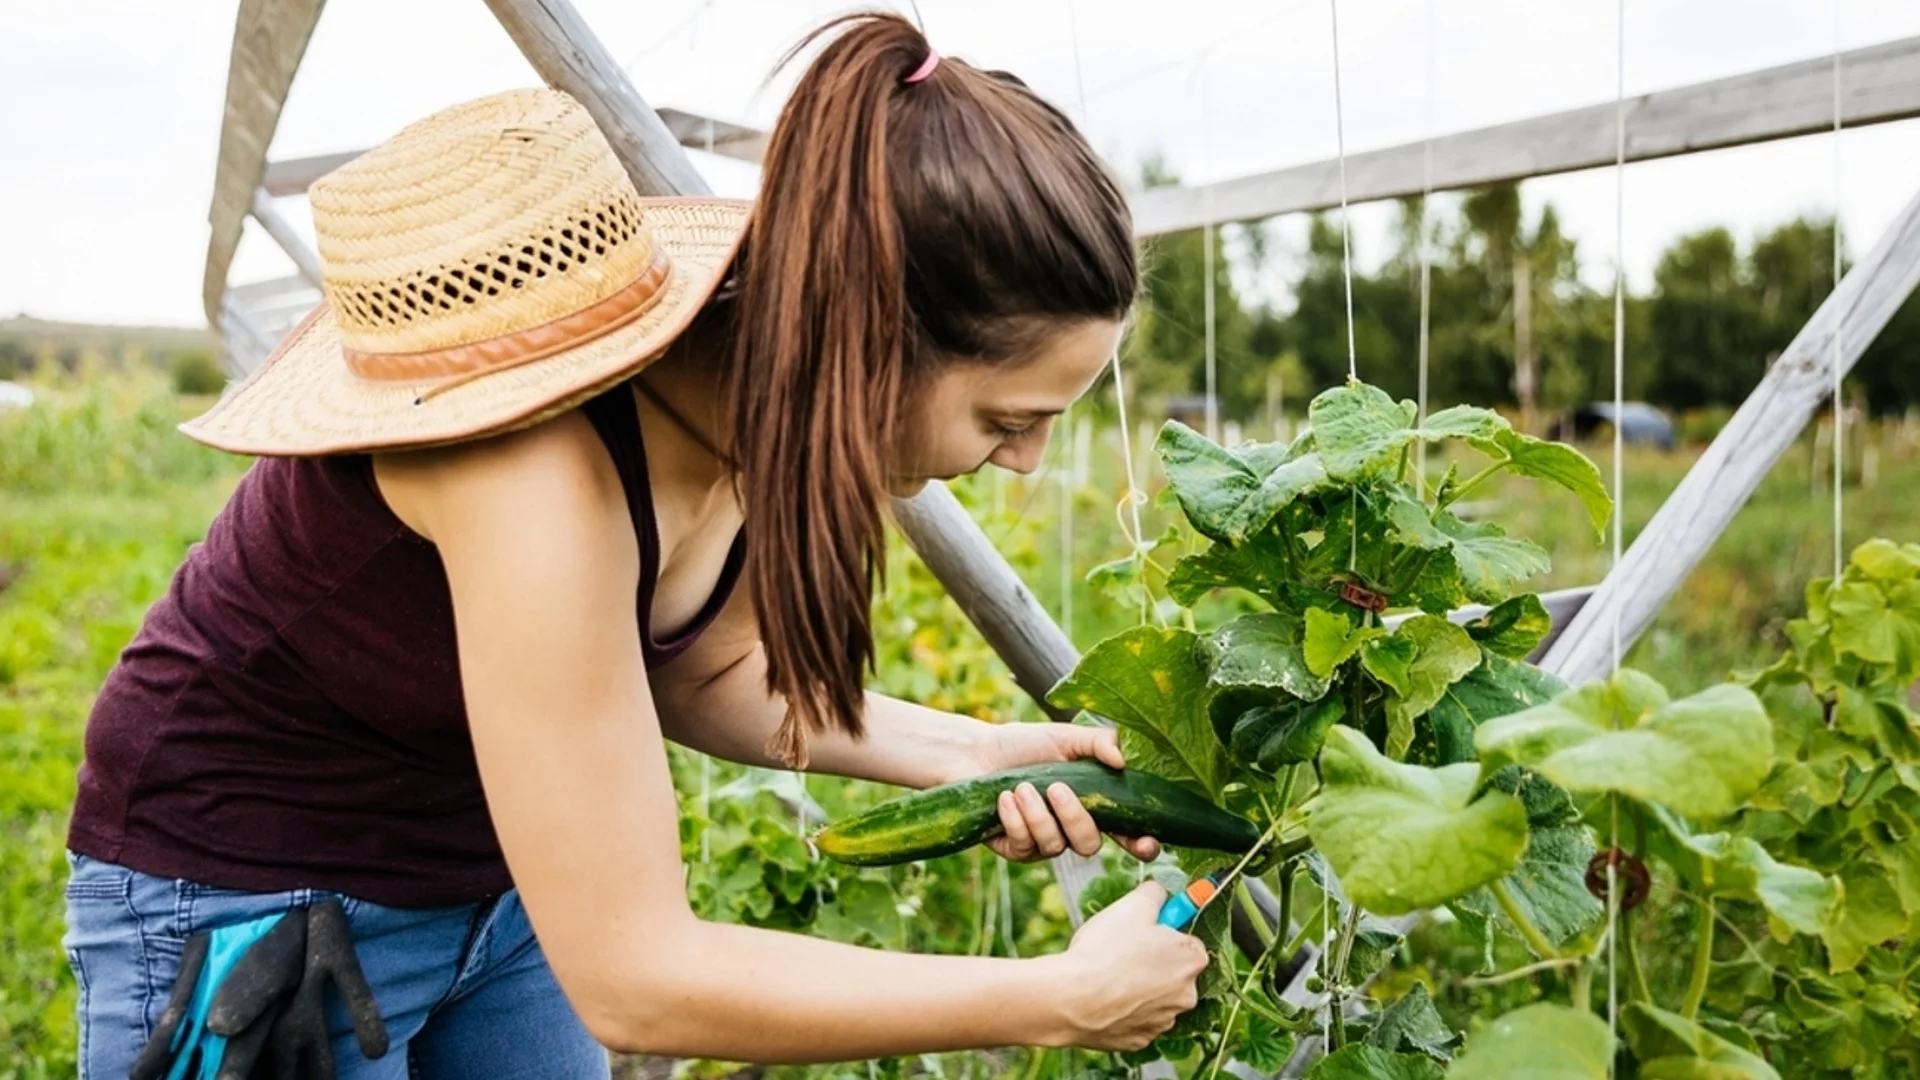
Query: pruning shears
[[1179, 910]]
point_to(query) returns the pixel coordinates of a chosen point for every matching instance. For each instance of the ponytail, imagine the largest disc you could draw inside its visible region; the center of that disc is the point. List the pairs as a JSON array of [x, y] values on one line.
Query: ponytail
[[899, 225]]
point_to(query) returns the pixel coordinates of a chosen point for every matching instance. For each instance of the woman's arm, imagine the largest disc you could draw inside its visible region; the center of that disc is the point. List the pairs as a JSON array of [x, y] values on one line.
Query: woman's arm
[[715, 700], [542, 564]]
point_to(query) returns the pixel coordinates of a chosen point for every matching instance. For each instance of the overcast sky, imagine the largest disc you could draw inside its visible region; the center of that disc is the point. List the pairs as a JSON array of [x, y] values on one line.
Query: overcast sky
[[110, 109]]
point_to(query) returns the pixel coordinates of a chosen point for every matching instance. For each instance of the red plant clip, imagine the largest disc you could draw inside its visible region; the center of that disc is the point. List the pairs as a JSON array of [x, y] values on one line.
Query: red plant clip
[[1362, 597], [1628, 870]]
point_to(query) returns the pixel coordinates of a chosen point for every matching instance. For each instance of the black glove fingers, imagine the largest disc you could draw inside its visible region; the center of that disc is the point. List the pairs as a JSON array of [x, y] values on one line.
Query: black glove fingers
[[330, 948], [265, 974], [244, 1049], [156, 1058]]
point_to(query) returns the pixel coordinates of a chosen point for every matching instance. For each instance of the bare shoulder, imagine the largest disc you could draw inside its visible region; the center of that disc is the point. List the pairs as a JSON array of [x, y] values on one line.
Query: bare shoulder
[[556, 471]]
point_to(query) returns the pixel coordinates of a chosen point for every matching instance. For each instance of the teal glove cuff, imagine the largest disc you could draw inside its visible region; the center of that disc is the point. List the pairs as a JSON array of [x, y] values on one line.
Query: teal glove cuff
[[225, 945]]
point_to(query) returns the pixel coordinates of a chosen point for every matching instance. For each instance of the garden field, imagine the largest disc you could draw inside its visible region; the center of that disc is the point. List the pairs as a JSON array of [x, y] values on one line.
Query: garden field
[[100, 498]]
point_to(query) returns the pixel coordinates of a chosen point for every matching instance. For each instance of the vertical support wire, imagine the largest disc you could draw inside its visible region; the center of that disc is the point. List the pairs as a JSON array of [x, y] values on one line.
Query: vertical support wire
[[1839, 410], [1207, 241], [1134, 497], [1619, 475], [1340, 146], [1426, 267]]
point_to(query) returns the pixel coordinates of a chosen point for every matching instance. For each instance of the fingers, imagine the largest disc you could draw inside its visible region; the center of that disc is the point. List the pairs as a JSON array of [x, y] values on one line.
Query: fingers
[[1078, 826], [331, 945], [265, 974], [1144, 848], [1047, 837], [1106, 747], [1019, 844], [156, 1057], [243, 1050]]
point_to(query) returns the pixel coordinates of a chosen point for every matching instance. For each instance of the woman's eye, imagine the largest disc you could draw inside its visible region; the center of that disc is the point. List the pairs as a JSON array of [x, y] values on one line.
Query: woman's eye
[[1011, 433]]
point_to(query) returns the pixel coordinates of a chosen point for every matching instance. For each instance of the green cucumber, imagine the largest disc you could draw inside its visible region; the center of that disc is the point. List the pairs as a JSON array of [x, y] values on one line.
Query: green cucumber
[[954, 817]]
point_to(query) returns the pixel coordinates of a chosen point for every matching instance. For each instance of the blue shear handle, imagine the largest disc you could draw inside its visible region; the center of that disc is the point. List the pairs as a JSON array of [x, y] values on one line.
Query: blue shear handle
[[1178, 912]]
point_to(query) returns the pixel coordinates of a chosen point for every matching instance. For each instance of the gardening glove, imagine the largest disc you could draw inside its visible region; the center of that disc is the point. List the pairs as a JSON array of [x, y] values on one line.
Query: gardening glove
[[181, 1047], [279, 1036]]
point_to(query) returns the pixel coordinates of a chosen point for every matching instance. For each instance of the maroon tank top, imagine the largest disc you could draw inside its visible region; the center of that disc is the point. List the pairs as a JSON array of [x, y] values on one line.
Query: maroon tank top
[[290, 714]]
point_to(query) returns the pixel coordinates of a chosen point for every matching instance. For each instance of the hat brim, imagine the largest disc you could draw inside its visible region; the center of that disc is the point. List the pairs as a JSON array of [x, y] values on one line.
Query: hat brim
[[303, 400]]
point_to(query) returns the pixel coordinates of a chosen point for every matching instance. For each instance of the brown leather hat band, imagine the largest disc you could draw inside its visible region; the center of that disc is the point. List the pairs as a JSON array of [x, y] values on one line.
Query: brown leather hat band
[[463, 362]]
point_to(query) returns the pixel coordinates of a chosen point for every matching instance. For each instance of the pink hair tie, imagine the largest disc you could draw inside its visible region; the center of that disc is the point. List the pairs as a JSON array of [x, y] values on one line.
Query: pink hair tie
[[925, 69]]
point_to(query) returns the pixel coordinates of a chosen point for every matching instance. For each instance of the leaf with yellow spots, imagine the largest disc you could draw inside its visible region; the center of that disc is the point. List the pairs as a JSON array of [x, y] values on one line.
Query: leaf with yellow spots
[[1153, 684]]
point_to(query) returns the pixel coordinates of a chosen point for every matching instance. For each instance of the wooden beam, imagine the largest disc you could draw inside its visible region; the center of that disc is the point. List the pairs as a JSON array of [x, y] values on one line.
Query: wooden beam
[[243, 343], [270, 290], [295, 175], [269, 38], [1562, 605], [291, 242], [565, 52], [1719, 484], [1878, 84]]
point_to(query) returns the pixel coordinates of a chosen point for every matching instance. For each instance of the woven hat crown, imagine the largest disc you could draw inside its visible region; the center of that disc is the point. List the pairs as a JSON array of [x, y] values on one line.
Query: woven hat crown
[[486, 219]]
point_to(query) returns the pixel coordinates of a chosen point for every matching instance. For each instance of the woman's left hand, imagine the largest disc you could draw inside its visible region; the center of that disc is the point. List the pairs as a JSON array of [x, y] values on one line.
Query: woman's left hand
[[1040, 825]]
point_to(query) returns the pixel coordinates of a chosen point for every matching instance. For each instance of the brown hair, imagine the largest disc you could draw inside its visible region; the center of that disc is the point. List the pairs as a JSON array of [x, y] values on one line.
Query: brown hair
[[899, 227]]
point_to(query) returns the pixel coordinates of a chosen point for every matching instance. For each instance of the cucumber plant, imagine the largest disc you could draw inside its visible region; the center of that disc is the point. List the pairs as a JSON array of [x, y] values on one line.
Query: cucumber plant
[[1393, 769]]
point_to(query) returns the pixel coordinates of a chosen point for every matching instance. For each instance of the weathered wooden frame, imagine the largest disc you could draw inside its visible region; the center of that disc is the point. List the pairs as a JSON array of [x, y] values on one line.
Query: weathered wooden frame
[[1880, 83]]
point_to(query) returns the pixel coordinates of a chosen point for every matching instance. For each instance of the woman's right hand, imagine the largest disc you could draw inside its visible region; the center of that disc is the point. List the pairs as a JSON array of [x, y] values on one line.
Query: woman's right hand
[[1134, 976]]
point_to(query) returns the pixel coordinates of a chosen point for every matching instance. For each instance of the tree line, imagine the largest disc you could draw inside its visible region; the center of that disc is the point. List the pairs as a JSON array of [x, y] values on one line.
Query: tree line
[[1511, 322]]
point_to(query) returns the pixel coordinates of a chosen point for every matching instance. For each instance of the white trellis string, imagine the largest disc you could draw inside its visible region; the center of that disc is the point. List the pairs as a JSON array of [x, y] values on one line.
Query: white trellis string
[[1426, 266], [1839, 413], [1207, 242], [1340, 146], [1134, 496], [1619, 474]]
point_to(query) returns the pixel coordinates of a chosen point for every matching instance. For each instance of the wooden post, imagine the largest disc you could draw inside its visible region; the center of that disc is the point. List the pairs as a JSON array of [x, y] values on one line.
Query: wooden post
[[304, 258], [1720, 483]]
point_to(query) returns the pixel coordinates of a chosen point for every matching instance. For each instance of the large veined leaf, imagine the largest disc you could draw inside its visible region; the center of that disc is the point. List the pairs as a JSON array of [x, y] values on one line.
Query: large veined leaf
[[1362, 1062], [1671, 1047], [1490, 563], [1153, 684], [1498, 687], [1700, 756], [1879, 622], [1513, 627], [1538, 1042], [1332, 639], [1231, 494], [1883, 559], [1270, 737], [1549, 886], [1869, 914], [1402, 837], [1443, 654], [1259, 566], [1721, 864], [1412, 1025], [1264, 652], [1358, 429], [1559, 464]]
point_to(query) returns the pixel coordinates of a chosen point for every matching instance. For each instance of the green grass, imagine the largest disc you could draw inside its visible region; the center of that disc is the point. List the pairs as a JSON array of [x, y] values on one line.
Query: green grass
[[100, 498]]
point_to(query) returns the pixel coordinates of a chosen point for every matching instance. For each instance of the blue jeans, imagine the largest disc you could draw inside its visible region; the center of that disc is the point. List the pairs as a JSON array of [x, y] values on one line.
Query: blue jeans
[[464, 991]]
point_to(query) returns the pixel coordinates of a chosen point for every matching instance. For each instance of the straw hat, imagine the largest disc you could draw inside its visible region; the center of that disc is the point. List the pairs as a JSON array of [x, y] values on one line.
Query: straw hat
[[488, 267]]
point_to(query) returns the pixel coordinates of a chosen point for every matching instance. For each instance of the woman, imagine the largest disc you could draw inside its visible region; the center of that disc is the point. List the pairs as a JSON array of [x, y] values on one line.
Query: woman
[[407, 668]]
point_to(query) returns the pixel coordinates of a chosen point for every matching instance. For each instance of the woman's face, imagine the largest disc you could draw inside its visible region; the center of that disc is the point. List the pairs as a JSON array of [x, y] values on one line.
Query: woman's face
[[1000, 414]]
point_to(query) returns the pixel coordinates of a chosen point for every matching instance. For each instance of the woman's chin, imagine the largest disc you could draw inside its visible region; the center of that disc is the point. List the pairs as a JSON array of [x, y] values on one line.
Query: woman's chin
[[906, 487]]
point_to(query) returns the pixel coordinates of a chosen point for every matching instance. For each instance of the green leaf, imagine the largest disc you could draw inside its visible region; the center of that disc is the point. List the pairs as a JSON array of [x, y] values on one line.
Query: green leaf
[[1362, 1062], [1559, 464], [1264, 652], [1869, 914], [1883, 559], [1390, 660], [1152, 683], [1877, 623], [1513, 627], [1374, 944], [1412, 1024], [1538, 1042], [1231, 494], [1270, 737], [1549, 886], [1875, 722], [1491, 563], [1443, 654], [1498, 687], [1672, 1047], [1465, 422], [1401, 837], [1721, 864], [1266, 1048], [1259, 565], [1700, 756], [1359, 428], [1332, 639]]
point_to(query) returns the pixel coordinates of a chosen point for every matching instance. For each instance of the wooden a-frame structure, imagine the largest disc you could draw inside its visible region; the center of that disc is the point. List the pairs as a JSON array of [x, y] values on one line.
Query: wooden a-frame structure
[[1879, 83]]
